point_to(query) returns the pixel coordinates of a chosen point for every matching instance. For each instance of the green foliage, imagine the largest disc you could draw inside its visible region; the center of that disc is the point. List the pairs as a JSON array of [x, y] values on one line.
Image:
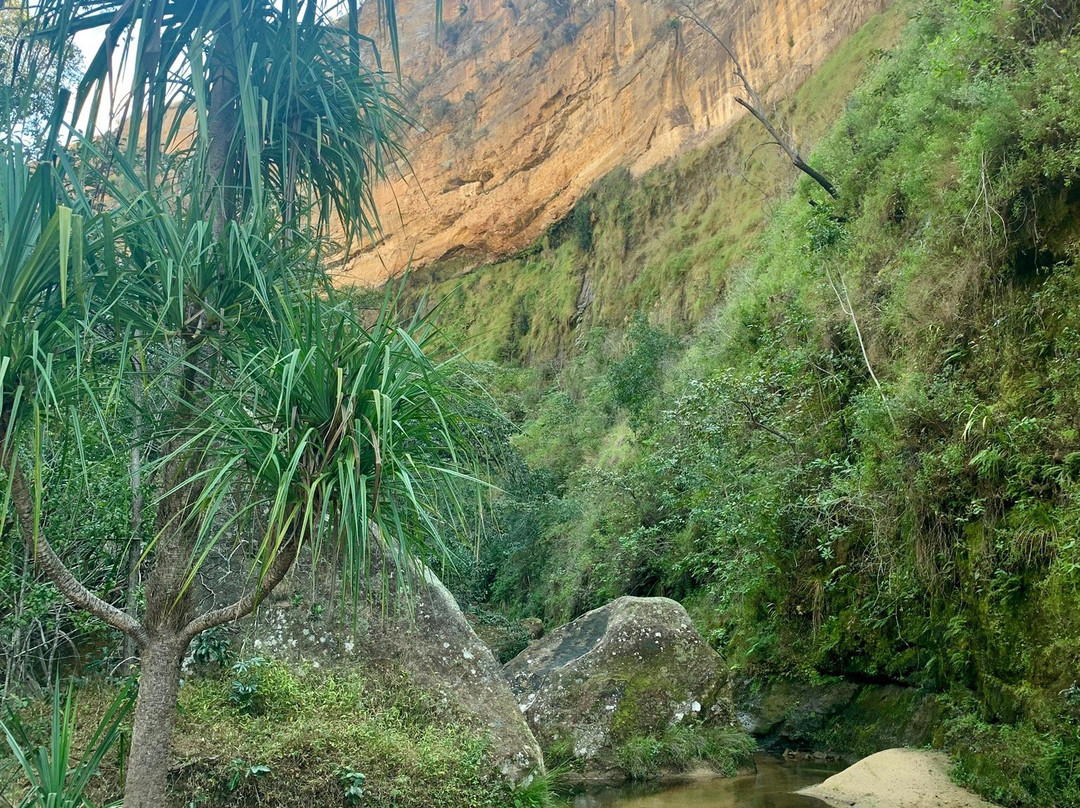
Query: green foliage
[[308, 113], [244, 687], [241, 771], [636, 378], [44, 332], [83, 516], [352, 427], [325, 738], [169, 279], [1027, 763], [863, 463], [640, 757], [581, 216], [560, 754], [29, 80], [541, 791], [506, 638], [353, 783], [682, 746], [212, 647], [58, 778]]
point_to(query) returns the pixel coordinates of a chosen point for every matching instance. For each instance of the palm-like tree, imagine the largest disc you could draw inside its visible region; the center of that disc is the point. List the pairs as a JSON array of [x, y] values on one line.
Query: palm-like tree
[[192, 234], [286, 95]]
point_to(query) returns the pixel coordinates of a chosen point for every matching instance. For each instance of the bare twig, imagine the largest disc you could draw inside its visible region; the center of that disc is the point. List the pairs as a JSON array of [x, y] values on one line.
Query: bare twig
[[266, 583], [757, 424], [840, 289], [984, 199]]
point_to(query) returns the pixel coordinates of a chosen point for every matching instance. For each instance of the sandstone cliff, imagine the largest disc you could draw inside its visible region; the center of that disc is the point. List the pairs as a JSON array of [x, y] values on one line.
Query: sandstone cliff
[[523, 104]]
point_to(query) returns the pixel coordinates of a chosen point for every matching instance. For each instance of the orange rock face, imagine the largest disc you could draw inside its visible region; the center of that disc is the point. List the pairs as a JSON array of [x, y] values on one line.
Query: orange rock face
[[523, 104]]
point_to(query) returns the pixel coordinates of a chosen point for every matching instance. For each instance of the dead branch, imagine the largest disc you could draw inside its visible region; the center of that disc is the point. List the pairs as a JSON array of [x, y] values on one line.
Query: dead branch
[[756, 108], [756, 423]]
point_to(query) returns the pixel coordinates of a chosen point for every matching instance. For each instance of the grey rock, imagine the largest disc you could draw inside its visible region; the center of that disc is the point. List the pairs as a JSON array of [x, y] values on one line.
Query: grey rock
[[837, 717], [630, 668], [417, 631], [795, 710]]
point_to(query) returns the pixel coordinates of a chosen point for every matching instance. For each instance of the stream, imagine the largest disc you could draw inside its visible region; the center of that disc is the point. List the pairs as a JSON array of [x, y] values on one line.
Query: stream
[[771, 787]]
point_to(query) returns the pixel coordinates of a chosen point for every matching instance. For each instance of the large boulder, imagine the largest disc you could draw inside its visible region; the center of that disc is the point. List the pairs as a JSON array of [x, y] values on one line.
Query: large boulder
[[435, 643], [417, 631], [631, 669]]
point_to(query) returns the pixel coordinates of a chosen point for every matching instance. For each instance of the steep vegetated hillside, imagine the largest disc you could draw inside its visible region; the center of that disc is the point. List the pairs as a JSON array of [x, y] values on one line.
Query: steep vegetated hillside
[[863, 460]]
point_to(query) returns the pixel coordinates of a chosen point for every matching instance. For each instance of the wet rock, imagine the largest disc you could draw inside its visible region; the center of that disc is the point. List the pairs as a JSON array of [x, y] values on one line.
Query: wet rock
[[790, 710], [837, 717], [631, 668]]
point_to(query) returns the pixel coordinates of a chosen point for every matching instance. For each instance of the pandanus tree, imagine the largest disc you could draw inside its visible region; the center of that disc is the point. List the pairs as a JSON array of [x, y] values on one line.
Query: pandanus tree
[[184, 245]]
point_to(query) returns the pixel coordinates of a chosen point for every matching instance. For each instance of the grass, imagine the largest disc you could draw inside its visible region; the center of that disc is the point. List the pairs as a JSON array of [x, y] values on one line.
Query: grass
[[314, 730], [683, 747], [313, 738]]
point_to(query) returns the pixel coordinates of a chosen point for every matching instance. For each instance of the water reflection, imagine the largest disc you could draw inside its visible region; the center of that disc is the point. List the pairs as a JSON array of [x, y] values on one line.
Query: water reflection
[[771, 787]]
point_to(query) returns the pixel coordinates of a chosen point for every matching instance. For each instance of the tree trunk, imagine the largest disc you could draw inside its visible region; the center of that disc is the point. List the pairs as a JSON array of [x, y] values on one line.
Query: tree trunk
[[147, 777], [134, 552], [221, 126], [169, 608]]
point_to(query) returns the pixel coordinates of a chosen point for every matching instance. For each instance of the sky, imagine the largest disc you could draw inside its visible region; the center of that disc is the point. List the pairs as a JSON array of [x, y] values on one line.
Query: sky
[[88, 43]]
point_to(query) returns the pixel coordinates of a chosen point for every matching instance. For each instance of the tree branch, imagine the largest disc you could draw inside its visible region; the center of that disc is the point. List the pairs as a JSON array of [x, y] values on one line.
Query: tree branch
[[266, 584], [757, 108], [848, 308], [49, 562], [754, 422]]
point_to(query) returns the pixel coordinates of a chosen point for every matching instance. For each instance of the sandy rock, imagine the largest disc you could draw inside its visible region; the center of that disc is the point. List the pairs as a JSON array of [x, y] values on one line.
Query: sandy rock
[[896, 778], [630, 668]]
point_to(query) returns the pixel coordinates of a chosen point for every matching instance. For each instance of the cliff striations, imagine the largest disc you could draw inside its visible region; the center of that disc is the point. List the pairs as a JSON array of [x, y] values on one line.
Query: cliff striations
[[523, 104]]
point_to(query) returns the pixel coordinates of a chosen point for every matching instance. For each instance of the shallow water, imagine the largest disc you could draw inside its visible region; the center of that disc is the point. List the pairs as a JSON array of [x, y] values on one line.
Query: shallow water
[[771, 787]]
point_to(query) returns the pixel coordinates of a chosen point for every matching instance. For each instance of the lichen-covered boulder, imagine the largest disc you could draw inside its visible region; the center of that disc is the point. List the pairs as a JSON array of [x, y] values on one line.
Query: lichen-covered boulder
[[418, 632], [435, 644], [630, 669]]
